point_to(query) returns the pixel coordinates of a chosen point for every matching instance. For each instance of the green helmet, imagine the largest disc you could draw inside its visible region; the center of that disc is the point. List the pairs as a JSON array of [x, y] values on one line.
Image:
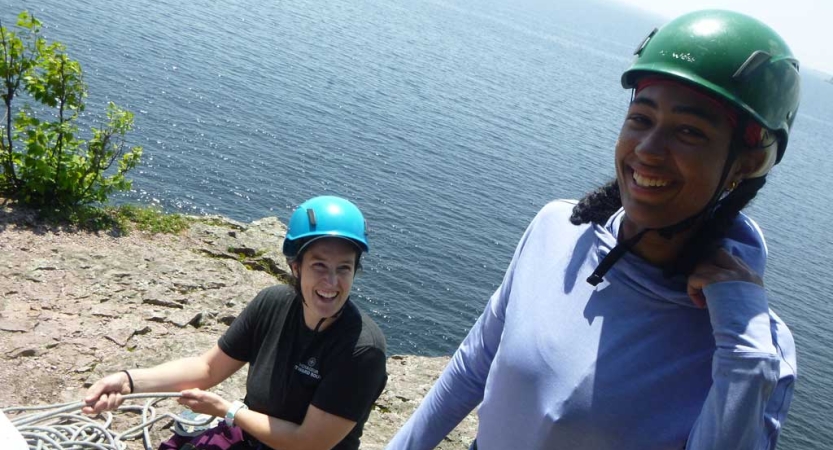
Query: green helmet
[[732, 56]]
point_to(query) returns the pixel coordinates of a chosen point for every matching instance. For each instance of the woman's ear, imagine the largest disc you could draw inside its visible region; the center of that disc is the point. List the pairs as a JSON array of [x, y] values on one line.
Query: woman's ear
[[294, 267], [749, 162]]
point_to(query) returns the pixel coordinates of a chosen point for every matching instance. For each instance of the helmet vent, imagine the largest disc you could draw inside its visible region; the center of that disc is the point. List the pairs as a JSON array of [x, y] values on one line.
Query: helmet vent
[[645, 41], [311, 217], [755, 60]]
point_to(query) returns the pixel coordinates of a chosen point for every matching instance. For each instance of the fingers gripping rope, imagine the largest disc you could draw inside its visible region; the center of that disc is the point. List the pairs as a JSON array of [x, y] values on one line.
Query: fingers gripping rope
[[62, 427]]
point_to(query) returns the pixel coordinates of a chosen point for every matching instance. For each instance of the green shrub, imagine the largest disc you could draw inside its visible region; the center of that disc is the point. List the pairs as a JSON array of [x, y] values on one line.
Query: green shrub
[[43, 161]]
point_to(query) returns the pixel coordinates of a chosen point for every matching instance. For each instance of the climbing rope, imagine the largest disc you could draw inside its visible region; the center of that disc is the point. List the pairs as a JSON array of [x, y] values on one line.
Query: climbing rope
[[63, 427]]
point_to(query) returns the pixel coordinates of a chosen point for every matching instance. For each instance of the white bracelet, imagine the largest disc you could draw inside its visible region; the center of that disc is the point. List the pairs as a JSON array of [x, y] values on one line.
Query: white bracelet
[[236, 405]]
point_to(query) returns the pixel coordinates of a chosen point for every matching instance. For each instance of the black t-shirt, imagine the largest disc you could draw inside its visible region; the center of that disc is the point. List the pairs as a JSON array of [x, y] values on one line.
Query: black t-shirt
[[340, 370]]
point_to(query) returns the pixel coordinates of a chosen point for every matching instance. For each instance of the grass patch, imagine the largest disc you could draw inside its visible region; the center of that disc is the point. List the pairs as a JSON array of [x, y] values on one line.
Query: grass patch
[[151, 220], [120, 220]]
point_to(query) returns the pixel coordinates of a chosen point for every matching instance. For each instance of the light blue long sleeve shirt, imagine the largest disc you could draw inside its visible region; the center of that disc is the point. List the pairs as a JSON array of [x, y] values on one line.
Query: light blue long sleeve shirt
[[555, 363]]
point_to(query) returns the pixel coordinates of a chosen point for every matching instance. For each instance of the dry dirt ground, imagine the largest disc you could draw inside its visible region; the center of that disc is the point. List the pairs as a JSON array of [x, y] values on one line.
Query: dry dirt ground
[[76, 305]]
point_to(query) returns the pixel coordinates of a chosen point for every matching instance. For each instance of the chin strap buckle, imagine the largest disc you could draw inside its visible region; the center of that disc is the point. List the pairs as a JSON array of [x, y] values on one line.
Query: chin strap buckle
[[594, 279]]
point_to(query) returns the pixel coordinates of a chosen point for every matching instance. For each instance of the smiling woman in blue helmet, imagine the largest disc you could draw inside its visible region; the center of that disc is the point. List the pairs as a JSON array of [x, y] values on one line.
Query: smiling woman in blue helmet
[[316, 362], [637, 318]]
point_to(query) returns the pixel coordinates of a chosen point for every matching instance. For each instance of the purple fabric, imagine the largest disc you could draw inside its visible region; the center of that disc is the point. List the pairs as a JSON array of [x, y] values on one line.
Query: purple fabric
[[221, 437]]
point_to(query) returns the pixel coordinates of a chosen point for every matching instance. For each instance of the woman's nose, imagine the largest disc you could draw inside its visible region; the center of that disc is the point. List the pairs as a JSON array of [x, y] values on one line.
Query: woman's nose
[[653, 146], [331, 277]]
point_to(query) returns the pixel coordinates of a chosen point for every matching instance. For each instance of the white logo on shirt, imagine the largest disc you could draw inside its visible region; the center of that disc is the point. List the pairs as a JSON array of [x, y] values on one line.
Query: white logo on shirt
[[307, 370]]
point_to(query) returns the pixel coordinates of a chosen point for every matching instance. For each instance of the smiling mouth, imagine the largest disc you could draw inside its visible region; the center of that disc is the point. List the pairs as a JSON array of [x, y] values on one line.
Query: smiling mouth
[[645, 181], [327, 295]]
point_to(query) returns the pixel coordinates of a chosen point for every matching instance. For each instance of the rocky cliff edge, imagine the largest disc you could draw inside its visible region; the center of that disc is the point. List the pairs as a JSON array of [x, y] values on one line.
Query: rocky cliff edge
[[76, 305]]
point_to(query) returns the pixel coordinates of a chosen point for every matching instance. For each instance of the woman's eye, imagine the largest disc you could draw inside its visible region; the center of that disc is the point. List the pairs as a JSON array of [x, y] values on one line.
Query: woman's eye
[[692, 133], [639, 120]]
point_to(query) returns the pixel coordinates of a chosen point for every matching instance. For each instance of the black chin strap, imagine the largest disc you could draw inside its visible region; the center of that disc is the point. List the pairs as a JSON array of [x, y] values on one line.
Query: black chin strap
[[334, 316], [667, 232], [596, 277]]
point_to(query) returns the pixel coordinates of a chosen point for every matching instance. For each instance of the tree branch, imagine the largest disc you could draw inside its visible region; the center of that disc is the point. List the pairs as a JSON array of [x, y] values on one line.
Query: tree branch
[[11, 87], [95, 168], [60, 141]]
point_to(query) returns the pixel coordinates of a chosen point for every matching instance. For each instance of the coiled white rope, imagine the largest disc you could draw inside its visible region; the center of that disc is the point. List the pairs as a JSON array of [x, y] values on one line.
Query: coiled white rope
[[63, 427]]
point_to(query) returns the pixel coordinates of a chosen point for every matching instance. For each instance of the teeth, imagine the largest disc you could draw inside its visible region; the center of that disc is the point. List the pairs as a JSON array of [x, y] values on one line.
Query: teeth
[[326, 294], [648, 182]]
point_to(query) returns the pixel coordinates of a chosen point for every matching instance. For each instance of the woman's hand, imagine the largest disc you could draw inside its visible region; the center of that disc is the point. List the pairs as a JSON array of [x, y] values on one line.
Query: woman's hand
[[106, 393], [721, 266], [204, 402]]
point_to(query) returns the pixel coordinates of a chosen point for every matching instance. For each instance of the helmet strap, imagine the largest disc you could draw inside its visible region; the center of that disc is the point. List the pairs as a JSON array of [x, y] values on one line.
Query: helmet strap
[[685, 224], [334, 316], [610, 259], [668, 232], [319, 324]]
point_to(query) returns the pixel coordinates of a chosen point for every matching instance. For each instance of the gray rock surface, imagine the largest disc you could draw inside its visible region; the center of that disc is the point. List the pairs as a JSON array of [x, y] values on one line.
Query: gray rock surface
[[75, 306]]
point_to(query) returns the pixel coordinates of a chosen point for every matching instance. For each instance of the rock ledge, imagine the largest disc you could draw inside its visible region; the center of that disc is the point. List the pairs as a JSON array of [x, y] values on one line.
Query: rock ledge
[[77, 305]]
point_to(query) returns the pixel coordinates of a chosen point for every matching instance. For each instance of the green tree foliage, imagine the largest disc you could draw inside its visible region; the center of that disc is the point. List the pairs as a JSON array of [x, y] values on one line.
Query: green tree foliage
[[43, 160]]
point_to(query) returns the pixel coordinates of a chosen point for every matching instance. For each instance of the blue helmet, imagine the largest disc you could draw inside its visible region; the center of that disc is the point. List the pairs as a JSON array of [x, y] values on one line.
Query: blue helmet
[[325, 216]]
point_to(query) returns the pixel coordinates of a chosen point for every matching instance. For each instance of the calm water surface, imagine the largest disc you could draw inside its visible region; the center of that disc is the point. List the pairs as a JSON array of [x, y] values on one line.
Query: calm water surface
[[450, 124]]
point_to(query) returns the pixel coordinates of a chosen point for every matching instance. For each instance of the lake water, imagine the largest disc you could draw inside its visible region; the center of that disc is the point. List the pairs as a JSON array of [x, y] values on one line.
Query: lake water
[[449, 123]]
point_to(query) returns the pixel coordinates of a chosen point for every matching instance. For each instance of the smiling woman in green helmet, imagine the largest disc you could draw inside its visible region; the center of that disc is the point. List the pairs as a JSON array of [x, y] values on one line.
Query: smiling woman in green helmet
[[637, 318], [316, 362]]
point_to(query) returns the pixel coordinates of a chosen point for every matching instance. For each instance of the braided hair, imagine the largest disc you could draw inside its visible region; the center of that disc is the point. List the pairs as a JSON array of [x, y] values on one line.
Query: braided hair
[[598, 205], [707, 239]]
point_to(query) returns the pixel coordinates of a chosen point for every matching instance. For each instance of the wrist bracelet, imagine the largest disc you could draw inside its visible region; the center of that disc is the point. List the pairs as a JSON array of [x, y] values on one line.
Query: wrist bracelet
[[129, 380], [233, 410]]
